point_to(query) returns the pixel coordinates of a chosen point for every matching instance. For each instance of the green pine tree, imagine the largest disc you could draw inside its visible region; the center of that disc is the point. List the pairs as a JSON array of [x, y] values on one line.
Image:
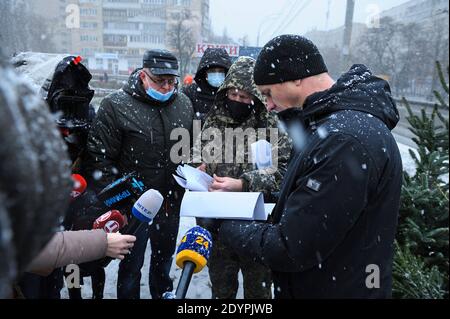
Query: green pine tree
[[421, 258], [413, 279]]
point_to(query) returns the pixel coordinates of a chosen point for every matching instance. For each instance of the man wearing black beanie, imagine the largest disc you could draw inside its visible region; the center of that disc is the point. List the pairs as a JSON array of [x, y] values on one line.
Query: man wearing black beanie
[[331, 233]]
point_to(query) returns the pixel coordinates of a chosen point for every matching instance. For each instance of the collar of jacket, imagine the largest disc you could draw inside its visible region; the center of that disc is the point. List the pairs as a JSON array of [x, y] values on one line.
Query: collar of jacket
[[292, 115], [356, 90]]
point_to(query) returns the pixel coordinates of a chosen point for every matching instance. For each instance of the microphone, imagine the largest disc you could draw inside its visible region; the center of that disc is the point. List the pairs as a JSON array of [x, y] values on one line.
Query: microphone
[[110, 222], [144, 210], [79, 185], [122, 193], [192, 256]]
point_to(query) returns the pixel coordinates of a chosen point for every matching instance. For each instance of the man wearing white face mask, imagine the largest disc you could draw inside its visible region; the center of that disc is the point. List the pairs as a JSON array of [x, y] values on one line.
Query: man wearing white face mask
[[132, 133], [210, 75]]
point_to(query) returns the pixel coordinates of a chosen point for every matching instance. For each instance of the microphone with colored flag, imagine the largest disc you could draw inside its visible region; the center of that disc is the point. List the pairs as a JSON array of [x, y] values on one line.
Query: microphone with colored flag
[[192, 256], [144, 210], [110, 222], [122, 193], [79, 185]]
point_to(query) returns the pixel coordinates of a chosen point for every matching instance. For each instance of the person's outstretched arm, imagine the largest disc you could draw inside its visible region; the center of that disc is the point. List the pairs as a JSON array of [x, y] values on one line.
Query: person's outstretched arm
[[76, 247]]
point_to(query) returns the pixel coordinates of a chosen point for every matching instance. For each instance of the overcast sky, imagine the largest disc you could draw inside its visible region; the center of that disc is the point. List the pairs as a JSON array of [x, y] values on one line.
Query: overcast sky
[[274, 17]]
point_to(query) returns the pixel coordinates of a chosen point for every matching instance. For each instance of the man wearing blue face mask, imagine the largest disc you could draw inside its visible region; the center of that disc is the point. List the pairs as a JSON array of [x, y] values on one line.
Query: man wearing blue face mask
[[132, 133], [210, 75]]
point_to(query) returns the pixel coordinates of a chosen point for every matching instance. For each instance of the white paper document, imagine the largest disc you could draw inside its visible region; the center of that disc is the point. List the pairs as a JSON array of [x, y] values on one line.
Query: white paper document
[[225, 205], [192, 179]]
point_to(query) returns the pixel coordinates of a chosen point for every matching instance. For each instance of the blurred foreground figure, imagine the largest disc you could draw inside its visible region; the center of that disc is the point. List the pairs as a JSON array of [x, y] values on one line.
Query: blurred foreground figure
[[35, 178]]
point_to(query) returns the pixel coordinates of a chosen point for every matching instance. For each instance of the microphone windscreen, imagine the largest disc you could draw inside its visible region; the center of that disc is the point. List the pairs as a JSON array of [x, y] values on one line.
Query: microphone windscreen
[[79, 185], [195, 246], [147, 206], [110, 222]]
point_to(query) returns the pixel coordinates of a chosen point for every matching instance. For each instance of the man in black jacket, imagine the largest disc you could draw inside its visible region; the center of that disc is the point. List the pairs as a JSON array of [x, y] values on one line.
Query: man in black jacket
[[210, 75], [132, 133], [331, 233]]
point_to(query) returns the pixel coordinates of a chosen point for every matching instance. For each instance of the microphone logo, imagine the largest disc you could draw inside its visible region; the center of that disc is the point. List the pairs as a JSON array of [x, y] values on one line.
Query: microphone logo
[[195, 246], [75, 194], [111, 226], [137, 184]]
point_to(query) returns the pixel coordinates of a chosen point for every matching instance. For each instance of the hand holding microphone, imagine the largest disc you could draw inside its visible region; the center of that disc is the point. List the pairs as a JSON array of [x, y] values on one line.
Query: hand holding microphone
[[119, 245]]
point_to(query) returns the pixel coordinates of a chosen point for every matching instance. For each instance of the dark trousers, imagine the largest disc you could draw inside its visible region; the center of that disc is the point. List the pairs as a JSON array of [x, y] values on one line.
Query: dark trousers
[[163, 235], [34, 286]]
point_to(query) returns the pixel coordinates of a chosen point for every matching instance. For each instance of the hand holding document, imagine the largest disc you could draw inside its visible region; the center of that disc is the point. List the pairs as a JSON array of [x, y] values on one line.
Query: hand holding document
[[192, 179], [198, 202]]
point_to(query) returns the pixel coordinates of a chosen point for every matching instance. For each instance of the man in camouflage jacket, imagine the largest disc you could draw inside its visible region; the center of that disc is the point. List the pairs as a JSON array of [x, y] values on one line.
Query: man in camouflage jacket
[[236, 175]]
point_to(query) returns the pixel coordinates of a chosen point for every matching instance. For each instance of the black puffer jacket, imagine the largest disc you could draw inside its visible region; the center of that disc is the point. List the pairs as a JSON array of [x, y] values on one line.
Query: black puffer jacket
[[132, 133], [339, 201], [35, 179], [200, 93]]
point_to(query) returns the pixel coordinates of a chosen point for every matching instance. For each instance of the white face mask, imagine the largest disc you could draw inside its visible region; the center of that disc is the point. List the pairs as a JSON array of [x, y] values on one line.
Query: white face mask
[[215, 79]]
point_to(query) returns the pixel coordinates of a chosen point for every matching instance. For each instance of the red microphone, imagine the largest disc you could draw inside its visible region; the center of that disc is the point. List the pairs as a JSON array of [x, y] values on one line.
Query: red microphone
[[79, 185], [110, 222]]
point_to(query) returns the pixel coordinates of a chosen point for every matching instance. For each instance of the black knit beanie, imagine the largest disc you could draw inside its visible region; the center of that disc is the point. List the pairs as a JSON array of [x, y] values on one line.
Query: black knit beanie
[[286, 58]]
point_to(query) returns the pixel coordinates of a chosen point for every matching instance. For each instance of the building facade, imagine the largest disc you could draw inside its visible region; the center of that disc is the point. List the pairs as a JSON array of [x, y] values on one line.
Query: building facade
[[114, 34]]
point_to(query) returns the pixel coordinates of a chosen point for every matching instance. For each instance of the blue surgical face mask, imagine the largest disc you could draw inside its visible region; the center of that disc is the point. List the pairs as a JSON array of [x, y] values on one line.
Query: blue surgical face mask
[[215, 79], [161, 97]]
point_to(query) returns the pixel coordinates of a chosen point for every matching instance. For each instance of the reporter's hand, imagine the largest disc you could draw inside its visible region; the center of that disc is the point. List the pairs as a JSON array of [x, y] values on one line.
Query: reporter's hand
[[226, 184], [119, 245]]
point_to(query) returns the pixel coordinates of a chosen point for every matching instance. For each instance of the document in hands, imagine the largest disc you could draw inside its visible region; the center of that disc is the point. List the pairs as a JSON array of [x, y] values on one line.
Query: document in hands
[[225, 205], [192, 179]]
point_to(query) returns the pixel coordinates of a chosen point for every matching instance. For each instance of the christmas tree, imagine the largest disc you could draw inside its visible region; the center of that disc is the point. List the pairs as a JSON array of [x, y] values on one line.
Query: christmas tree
[[421, 255]]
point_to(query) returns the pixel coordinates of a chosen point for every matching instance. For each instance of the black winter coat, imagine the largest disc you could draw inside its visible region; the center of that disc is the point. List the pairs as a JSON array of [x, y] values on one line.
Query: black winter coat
[[132, 133], [339, 201], [201, 94]]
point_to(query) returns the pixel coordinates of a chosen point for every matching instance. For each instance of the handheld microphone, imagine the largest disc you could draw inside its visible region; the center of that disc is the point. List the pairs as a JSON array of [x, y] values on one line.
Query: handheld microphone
[[110, 222], [122, 193], [79, 185], [144, 210], [192, 256]]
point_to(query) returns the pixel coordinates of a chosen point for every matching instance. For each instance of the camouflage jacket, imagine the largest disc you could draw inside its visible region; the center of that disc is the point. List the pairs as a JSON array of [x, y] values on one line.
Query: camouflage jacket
[[260, 122]]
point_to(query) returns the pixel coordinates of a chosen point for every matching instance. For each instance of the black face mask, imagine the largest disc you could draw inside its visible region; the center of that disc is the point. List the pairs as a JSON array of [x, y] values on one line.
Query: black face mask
[[238, 111]]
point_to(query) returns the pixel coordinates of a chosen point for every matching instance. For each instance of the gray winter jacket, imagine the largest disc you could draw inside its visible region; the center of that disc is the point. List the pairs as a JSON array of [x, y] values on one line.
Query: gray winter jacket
[[70, 247], [35, 179]]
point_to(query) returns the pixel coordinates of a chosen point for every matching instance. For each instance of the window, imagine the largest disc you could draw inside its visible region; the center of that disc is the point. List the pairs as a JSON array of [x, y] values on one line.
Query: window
[[85, 12], [88, 25], [88, 38]]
